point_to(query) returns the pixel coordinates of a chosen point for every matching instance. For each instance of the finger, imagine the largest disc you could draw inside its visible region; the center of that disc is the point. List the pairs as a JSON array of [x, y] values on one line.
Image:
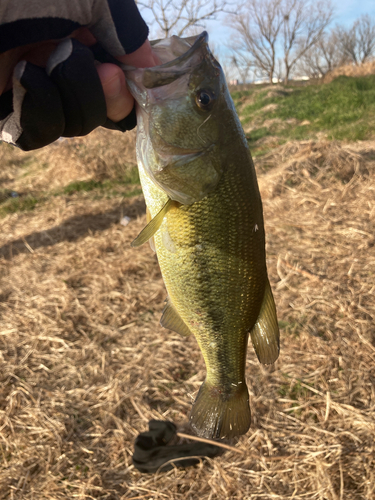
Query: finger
[[8, 61], [118, 99], [40, 53], [36, 117], [35, 53], [84, 36], [72, 68], [143, 57]]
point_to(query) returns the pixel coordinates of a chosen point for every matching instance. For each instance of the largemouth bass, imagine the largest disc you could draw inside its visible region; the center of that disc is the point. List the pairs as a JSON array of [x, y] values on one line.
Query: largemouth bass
[[205, 223]]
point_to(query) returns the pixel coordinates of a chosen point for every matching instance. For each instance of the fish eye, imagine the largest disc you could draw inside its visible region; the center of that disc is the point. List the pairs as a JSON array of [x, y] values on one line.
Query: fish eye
[[205, 99]]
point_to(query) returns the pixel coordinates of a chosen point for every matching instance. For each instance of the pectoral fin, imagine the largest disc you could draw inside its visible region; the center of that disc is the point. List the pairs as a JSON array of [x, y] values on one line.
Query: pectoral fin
[[265, 334], [154, 224], [173, 321], [151, 241]]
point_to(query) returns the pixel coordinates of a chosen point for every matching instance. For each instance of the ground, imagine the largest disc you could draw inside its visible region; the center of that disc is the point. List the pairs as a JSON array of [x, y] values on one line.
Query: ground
[[85, 364]]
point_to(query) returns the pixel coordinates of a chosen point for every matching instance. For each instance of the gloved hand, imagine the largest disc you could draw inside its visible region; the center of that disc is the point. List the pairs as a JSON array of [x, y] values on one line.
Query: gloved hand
[[51, 88]]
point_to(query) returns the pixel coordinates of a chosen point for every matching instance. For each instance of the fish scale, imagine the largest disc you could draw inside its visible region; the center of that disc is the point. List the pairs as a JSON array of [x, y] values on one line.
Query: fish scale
[[230, 265], [207, 227]]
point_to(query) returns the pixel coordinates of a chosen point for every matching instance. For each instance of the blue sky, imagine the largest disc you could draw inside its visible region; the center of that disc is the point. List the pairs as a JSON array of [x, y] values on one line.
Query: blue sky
[[346, 12]]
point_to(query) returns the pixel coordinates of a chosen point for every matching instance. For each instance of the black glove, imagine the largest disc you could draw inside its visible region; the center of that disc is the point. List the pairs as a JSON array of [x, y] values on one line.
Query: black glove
[[65, 98], [151, 450]]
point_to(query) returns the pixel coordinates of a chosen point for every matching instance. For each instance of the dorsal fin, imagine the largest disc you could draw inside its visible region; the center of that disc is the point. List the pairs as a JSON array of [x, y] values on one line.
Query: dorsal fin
[[265, 334], [154, 224], [172, 320]]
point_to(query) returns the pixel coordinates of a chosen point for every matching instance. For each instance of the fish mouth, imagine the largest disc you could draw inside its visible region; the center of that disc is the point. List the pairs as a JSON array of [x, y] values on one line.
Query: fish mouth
[[178, 62]]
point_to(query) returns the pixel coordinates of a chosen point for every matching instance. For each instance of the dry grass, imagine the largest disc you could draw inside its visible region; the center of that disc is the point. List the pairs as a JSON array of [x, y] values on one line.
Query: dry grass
[[102, 154], [85, 364], [367, 68]]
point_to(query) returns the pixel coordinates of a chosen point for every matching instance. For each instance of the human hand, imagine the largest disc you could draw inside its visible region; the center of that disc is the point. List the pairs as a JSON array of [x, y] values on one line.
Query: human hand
[[118, 99], [51, 89]]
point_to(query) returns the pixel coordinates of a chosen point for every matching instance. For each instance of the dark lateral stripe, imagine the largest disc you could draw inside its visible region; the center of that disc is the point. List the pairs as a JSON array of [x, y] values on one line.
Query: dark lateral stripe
[[131, 29], [25, 31]]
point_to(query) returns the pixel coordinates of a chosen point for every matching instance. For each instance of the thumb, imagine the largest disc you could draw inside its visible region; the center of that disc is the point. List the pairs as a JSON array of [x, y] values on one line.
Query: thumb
[[118, 99], [144, 57]]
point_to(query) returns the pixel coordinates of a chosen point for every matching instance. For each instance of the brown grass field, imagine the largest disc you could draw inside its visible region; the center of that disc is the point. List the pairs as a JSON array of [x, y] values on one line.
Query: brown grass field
[[85, 364], [367, 68]]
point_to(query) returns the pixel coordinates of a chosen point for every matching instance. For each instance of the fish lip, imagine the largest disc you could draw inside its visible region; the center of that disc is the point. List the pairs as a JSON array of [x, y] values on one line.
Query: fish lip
[[196, 42]]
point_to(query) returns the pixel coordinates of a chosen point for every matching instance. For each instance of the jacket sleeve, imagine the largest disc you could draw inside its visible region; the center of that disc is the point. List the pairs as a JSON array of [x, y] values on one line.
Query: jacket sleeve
[[116, 24]]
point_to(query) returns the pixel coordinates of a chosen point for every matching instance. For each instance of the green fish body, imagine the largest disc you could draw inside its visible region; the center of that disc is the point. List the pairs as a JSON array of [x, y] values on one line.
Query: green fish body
[[206, 224]]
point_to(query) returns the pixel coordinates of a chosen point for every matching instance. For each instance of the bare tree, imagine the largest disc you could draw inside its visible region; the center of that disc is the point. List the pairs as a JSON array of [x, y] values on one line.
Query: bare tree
[[322, 57], [279, 70], [176, 17], [365, 28], [329, 48], [261, 24], [303, 27], [358, 42], [257, 27], [242, 65], [228, 68]]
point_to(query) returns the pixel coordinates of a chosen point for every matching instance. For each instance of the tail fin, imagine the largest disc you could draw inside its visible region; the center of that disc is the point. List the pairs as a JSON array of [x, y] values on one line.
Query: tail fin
[[218, 413]]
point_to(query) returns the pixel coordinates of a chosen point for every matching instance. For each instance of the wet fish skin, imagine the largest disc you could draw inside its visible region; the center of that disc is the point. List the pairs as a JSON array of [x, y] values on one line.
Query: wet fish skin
[[211, 251], [176, 139]]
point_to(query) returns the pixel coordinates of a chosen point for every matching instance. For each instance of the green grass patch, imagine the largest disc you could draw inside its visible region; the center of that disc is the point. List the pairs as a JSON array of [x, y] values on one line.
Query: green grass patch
[[260, 101], [240, 95], [110, 185], [296, 391], [258, 150], [258, 133], [79, 186], [343, 110], [126, 186], [20, 204], [107, 188]]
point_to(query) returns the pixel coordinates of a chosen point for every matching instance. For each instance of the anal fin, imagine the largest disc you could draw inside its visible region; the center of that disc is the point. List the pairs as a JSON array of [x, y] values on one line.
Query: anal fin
[[154, 224], [172, 320], [265, 334]]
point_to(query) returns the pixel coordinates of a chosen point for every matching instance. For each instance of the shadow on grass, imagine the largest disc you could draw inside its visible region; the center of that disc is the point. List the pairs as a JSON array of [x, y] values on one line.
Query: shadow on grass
[[72, 229]]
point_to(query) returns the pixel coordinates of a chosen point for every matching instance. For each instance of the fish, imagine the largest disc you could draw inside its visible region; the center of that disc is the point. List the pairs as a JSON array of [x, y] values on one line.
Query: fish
[[205, 222]]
